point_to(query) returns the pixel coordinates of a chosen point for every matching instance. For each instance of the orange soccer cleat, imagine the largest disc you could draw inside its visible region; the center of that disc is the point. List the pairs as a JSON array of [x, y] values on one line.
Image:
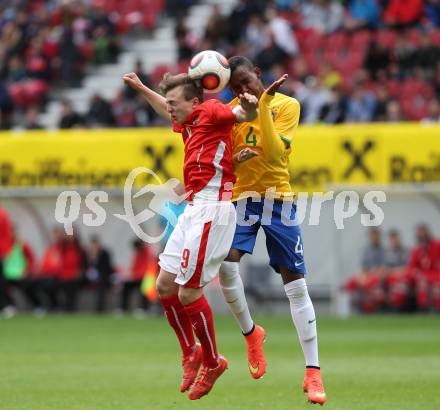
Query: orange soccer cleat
[[256, 359], [313, 386], [206, 378], [191, 365]]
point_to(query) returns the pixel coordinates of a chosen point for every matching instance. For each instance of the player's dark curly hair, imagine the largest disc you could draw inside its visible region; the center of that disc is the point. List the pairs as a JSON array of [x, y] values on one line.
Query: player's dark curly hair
[[238, 61], [191, 88]]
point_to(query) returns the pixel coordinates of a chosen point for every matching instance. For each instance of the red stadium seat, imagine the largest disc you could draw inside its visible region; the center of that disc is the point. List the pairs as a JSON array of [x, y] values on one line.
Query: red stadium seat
[[336, 41], [386, 38], [415, 108], [435, 36], [360, 39], [393, 88], [311, 40], [414, 36]]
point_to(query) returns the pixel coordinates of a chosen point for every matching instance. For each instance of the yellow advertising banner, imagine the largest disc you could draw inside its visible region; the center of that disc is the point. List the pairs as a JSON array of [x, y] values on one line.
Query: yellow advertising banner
[[377, 154]]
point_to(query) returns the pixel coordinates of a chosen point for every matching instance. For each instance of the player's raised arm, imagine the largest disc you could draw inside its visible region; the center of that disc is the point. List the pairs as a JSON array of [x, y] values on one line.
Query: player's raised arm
[[157, 101], [247, 109], [273, 146]]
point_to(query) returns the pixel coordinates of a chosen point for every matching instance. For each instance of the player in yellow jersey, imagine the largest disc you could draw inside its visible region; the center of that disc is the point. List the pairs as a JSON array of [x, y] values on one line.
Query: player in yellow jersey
[[264, 199]]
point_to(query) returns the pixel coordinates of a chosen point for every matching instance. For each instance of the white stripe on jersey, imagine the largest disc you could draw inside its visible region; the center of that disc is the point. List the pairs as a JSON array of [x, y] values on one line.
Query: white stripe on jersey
[[212, 188]]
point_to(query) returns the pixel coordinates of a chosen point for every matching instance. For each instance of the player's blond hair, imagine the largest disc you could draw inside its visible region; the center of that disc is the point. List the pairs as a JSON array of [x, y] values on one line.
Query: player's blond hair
[[191, 88]]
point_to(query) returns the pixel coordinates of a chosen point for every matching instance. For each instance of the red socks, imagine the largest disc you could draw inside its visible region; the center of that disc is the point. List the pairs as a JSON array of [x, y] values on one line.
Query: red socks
[[201, 317], [181, 323]]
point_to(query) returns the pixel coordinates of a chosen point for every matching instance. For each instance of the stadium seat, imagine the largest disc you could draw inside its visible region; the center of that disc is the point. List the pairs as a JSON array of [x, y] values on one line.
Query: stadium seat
[[386, 38], [360, 39]]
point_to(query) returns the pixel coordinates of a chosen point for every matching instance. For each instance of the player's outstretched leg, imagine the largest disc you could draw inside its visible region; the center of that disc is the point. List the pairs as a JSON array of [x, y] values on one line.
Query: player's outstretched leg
[[303, 315], [233, 291], [213, 365], [181, 324]]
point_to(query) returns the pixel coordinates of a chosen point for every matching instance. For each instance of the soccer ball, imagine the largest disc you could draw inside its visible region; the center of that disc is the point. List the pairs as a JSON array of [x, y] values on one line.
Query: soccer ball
[[212, 69]]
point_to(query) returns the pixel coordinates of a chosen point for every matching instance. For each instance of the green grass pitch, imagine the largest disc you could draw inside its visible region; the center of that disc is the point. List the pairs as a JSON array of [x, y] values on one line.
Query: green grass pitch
[[94, 363]]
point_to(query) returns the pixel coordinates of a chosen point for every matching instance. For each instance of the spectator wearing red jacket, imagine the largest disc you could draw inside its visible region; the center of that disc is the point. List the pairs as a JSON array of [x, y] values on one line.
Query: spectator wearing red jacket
[[424, 269], [50, 269], [422, 275], [6, 243], [71, 273], [143, 258], [403, 13]]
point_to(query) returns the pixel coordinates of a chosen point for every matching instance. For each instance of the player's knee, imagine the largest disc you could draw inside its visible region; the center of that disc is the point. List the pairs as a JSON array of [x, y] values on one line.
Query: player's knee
[[189, 295], [165, 285], [234, 255], [229, 273]]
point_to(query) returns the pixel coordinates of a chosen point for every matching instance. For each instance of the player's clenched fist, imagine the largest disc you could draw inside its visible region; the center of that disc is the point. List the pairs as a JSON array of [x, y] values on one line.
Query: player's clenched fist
[[248, 101], [133, 81]]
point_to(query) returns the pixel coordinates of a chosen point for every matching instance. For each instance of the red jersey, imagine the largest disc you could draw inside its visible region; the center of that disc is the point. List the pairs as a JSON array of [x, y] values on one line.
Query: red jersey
[[6, 235], [426, 258], [208, 163]]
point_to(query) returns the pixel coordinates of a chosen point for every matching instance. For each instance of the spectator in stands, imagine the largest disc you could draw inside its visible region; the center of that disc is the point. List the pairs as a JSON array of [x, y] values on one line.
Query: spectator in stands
[[361, 105], [186, 40], [239, 18], [6, 107], [402, 54], [377, 60], [71, 60], [334, 112], [324, 16], [51, 267], [426, 56], [16, 70], [124, 112], [366, 288], [256, 35], [382, 100], [271, 54], [101, 45], [403, 13], [283, 36], [129, 93], [393, 112], [432, 13], [143, 260], [434, 112], [363, 14], [72, 269], [99, 271], [314, 97], [100, 112], [31, 120], [215, 27], [69, 117]]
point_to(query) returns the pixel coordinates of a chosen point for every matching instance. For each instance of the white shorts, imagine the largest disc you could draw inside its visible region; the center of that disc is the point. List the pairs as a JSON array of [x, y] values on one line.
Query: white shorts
[[199, 243]]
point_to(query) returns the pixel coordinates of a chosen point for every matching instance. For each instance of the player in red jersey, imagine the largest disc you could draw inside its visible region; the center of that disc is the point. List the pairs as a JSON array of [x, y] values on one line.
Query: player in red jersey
[[204, 232]]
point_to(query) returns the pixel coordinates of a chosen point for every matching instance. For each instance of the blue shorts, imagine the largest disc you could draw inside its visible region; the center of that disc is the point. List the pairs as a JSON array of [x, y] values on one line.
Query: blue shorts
[[283, 236]]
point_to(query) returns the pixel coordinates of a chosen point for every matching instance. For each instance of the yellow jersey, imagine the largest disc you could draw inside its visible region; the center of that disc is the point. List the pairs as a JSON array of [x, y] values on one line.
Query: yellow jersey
[[258, 174]]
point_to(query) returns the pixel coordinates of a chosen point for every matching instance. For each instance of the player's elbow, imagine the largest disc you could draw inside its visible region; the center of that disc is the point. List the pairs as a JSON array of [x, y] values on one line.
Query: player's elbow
[[273, 156]]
